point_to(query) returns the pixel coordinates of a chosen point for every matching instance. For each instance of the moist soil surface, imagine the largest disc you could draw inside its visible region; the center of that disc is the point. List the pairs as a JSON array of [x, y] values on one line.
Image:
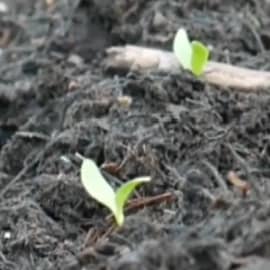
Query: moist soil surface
[[57, 98]]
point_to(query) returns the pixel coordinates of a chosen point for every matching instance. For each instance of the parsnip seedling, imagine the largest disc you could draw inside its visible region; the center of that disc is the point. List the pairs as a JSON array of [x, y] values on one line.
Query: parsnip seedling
[[99, 189], [193, 55]]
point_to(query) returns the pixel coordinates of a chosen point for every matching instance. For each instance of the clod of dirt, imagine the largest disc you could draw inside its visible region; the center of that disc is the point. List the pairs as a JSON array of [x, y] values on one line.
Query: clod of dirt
[[164, 255]]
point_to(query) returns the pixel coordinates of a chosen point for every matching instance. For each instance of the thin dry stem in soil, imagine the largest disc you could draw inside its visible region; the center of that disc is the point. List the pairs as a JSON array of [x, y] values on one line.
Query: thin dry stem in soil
[[224, 75], [236, 181]]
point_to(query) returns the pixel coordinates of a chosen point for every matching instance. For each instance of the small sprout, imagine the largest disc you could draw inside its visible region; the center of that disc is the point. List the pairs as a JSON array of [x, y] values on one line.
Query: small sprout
[[98, 188], [193, 55]]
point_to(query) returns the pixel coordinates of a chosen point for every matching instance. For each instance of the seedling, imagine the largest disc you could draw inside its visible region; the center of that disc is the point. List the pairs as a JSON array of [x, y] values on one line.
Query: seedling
[[98, 188], [193, 56]]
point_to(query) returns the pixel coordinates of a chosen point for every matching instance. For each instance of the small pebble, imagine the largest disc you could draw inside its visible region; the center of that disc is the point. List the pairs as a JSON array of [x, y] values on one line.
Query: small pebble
[[124, 101], [3, 7], [7, 235]]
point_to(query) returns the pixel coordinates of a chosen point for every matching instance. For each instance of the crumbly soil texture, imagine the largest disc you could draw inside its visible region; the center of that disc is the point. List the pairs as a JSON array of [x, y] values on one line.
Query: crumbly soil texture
[[57, 98]]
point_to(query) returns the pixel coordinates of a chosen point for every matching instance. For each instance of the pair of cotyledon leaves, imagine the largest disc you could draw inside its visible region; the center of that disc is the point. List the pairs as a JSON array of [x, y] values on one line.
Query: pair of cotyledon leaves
[[193, 55], [99, 189]]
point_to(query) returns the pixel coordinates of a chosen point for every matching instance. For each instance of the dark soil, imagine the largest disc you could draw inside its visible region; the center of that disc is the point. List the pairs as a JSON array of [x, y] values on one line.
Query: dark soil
[[56, 99]]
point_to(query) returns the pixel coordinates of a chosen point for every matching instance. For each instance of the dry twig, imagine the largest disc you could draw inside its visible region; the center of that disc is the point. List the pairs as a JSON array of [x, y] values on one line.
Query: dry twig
[[242, 185], [143, 59]]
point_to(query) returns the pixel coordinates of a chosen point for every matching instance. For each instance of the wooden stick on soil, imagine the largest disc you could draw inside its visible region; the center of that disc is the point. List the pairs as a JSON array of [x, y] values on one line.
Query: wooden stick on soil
[[143, 59]]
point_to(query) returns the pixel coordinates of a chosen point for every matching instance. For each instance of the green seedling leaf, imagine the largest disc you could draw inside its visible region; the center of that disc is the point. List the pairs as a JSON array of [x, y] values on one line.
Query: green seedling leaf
[[200, 55], [124, 192], [182, 48], [99, 189], [193, 55], [97, 186]]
